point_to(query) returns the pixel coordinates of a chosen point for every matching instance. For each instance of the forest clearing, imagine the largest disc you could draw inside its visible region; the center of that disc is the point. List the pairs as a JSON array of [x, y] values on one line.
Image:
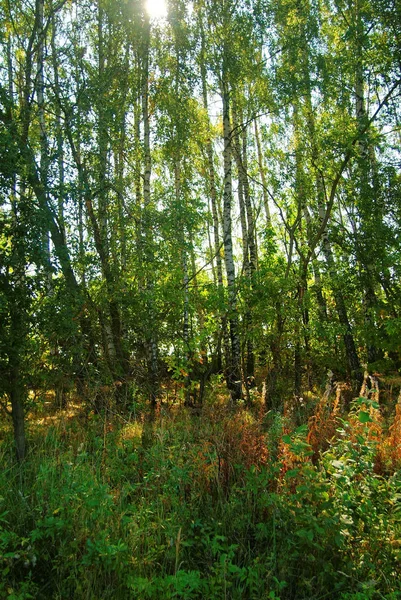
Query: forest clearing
[[200, 299]]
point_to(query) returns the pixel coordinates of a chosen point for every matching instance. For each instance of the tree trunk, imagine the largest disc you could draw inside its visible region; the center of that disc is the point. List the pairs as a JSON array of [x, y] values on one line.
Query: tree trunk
[[215, 210], [151, 340], [234, 381], [248, 243], [102, 137], [59, 132], [17, 407], [262, 173], [368, 205], [353, 363], [44, 145]]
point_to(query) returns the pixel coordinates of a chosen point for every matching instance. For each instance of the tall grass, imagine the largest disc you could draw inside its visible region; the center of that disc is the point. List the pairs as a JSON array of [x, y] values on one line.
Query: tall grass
[[222, 505]]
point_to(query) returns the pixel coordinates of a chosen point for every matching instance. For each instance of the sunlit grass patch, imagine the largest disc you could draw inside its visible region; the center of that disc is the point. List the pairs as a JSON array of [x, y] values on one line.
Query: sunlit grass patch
[[131, 432]]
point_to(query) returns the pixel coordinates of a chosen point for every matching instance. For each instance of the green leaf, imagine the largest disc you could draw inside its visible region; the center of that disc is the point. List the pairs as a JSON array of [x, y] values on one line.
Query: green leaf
[[292, 473], [305, 534], [302, 429], [364, 417]]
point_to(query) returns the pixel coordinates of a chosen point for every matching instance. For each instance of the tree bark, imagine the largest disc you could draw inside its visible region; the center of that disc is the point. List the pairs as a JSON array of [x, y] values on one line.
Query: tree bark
[[353, 364], [248, 245], [234, 380], [212, 189], [366, 180], [151, 341], [262, 173], [17, 407]]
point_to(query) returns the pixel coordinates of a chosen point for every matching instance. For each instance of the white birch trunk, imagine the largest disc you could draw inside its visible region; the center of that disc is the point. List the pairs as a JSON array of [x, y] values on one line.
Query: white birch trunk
[[234, 366], [262, 173]]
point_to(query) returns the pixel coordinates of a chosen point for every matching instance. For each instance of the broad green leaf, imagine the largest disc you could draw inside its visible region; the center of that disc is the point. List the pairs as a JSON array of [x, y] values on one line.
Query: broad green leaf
[[364, 417]]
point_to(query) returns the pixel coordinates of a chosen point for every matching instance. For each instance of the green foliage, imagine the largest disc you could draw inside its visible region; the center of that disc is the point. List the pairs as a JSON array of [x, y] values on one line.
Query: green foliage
[[113, 170], [92, 513]]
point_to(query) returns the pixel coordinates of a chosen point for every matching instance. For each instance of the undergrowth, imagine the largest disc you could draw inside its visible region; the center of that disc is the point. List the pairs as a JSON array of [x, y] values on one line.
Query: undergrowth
[[222, 505]]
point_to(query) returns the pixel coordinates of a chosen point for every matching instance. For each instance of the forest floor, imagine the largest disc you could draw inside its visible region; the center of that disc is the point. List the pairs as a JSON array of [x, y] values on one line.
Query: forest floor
[[216, 503]]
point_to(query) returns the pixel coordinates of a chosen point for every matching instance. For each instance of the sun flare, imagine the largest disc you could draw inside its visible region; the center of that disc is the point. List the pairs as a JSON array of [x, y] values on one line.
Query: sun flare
[[157, 9]]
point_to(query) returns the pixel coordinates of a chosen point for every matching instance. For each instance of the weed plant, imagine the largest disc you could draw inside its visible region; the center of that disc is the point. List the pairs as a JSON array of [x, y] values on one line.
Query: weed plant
[[222, 505]]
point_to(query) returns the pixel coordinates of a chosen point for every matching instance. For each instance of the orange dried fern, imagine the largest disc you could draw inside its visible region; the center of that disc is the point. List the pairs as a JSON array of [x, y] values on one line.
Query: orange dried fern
[[394, 439], [323, 424], [388, 459]]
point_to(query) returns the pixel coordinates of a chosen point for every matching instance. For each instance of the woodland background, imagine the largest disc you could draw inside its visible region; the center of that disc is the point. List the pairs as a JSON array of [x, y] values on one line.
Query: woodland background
[[200, 299]]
